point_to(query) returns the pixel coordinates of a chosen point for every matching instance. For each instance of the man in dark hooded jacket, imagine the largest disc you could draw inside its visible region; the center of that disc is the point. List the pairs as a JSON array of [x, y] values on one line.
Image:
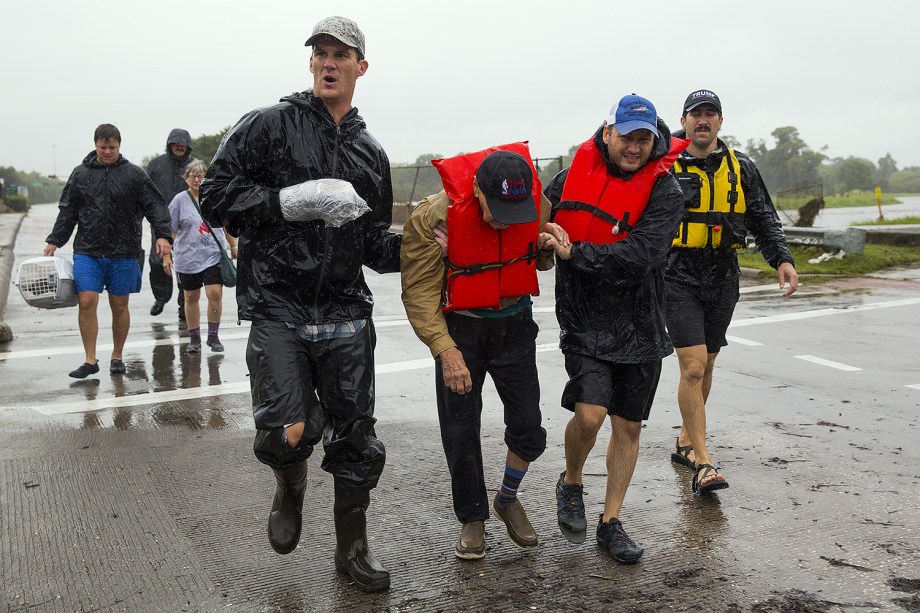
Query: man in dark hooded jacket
[[620, 206], [291, 180], [168, 174], [105, 199]]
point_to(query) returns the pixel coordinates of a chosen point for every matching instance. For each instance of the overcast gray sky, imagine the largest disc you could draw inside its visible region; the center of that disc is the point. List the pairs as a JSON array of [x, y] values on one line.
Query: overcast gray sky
[[450, 77]]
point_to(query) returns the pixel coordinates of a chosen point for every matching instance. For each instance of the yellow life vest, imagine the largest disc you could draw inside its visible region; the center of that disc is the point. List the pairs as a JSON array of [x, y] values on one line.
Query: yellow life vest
[[715, 203]]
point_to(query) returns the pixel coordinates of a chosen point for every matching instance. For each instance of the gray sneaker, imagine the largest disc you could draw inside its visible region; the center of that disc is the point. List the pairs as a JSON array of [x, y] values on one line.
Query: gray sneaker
[[194, 346], [570, 510], [614, 539]]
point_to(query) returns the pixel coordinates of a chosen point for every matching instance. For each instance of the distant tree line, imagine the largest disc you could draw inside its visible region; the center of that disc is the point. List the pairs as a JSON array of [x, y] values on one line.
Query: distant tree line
[[791, 163], [41, 188]]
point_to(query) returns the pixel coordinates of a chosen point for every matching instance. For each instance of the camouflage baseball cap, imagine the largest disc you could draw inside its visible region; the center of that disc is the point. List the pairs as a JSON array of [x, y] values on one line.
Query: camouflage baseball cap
[[341, 29]]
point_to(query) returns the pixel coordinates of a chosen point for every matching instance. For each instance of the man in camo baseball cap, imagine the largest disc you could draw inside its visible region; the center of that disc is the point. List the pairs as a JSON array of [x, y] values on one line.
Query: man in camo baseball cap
[[341, 29]]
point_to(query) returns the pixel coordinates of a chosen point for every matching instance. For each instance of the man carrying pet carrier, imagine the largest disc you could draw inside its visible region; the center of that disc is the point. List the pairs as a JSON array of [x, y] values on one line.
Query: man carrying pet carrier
[[105, 198]]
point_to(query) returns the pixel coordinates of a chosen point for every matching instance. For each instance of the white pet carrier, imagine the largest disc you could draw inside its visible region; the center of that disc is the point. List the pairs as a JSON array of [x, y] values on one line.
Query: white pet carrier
[[47, 282]]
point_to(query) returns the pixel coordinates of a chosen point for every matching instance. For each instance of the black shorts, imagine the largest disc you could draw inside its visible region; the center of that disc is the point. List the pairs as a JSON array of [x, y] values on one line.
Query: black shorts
[[195, 280], [698, 315], [625, 390]]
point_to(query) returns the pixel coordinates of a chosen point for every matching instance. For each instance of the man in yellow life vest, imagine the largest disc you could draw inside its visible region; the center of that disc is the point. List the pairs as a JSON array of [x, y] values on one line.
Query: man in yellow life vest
[[725, 198], [620, 205], [473, 311]]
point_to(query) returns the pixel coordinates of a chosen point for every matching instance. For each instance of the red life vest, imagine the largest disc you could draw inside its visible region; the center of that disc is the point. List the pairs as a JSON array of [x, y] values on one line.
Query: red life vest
[[485, 265], [598, 208]]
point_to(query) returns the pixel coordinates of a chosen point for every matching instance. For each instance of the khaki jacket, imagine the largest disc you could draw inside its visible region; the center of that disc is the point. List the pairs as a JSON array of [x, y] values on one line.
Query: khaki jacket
[[424, 271]]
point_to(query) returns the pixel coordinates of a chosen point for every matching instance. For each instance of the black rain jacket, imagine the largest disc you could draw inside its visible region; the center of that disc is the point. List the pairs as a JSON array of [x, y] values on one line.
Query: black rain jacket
[[716, 267], [106, 204], [167, 171], [301, 272], [610, 297]]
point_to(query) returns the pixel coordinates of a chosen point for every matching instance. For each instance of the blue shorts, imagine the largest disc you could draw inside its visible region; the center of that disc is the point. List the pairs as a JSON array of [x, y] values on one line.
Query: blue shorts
[[120, 276]]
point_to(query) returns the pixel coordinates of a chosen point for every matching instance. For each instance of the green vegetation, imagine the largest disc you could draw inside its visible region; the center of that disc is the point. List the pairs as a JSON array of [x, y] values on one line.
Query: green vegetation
[[889, 222], [850, 199], [41, 188], [907, 180], [874, 258], [17, 204]]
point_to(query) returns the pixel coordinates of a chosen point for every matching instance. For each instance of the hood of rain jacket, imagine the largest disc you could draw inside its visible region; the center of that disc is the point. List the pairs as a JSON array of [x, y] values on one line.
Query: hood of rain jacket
[[106, 205], [301, 272], [168, 171], [609, 297]]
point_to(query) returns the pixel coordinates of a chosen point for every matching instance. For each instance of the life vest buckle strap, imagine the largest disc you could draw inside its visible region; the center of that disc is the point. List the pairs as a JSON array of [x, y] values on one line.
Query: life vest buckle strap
[[473, 269]]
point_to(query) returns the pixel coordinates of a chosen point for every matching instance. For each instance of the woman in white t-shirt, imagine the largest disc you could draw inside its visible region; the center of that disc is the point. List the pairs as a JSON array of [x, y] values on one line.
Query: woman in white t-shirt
[[197, 259]]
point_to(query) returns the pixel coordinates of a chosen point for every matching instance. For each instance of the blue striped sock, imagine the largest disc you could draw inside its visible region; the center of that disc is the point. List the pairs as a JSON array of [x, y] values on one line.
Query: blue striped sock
[[510, 485]]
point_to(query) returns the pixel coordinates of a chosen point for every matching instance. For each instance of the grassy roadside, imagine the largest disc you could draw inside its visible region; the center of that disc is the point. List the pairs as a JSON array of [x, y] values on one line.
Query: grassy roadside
[[855, 198], [874, 259], [889, 222]]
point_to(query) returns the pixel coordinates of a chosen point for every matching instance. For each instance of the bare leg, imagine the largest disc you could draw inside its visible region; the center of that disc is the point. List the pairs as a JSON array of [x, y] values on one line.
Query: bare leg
[[580, 436], [192, 310], [696, 366], [691, 401], [622, 453], [89, 323], [215, 294], [514, 461], [121, 322]]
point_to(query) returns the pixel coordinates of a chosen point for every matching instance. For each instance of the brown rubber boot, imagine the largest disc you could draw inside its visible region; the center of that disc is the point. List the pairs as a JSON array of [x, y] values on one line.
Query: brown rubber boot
[[351, 554], [285, 518]]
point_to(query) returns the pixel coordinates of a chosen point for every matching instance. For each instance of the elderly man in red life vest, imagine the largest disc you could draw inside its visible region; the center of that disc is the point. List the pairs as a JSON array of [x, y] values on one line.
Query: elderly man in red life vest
[[473, 311], [620, 206]]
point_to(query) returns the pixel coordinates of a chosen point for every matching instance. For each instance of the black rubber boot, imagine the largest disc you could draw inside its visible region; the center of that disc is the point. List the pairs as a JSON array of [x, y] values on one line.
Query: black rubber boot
[[285, 519], [351, 554]]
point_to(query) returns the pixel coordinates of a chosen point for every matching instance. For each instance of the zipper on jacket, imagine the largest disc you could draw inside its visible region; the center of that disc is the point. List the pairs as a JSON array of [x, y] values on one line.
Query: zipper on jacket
[[712, 201], [323, 267]]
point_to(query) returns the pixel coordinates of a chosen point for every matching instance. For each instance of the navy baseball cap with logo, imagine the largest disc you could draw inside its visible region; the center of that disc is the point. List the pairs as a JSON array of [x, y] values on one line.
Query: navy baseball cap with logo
[[506, 180], [700, 97], [634, 113]]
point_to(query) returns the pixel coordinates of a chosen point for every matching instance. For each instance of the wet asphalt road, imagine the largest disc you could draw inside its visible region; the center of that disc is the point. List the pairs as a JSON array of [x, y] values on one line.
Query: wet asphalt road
[[139, 492]]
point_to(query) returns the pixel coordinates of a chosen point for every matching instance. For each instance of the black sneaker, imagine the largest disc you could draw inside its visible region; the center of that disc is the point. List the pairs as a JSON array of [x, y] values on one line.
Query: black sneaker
[[85, 370], [194, 346], [570, 510], [117, 367], [215, 344], [612, 537], [157, 308]]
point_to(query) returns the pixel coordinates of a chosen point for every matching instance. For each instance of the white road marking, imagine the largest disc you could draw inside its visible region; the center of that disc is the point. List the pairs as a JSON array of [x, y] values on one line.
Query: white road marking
[[137, 399], [823, 362], [751, 289], [770, 319], [742, 341], [393, 367], [915, 387]]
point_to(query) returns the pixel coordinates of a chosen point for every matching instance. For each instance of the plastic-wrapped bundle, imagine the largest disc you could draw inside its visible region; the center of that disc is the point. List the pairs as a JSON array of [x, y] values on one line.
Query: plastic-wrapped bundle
[[47, 282], [332, 200]]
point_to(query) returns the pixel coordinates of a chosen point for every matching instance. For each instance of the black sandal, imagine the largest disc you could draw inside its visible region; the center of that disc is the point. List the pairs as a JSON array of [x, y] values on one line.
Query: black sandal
[[682, 455], [707, 470]]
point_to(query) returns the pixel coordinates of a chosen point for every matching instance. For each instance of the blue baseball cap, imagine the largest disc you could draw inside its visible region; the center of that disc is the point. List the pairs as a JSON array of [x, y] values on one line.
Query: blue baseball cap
[[634, 113]]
